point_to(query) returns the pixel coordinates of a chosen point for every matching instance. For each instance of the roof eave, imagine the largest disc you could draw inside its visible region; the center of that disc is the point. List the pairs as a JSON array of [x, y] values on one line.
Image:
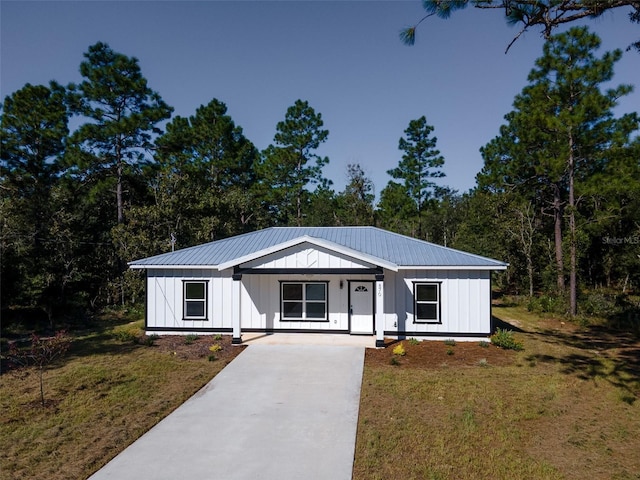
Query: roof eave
[[453, 267], [138, 266]]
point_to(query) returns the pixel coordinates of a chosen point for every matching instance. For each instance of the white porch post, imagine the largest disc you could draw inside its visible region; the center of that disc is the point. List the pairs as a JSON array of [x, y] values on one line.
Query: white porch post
[[236, 339], [379, 311]]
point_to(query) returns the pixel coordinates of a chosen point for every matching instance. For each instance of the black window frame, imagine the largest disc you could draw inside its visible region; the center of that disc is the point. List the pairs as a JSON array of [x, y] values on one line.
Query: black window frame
[[304, 301], [204, 300], [437, 302]]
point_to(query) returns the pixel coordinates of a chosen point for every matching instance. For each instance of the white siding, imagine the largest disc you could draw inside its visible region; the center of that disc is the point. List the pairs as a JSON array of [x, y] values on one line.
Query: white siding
[[465, 298], [465, 301], [306, 255], [165, 301], [261, 302]]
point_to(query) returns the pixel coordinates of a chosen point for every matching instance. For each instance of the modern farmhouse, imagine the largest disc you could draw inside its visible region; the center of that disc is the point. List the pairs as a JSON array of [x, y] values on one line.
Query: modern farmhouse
[[342, 280]]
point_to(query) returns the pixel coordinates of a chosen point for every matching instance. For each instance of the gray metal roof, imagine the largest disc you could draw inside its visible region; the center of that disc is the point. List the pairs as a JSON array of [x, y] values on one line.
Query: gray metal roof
[[387, 246]]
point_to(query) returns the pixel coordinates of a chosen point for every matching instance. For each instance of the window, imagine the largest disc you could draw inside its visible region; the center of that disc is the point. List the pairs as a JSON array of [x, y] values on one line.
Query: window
[[304, 301], [427, 302], [195, 300]]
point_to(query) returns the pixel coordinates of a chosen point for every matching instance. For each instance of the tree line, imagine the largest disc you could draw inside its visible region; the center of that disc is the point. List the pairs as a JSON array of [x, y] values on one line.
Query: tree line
[[558, 196]]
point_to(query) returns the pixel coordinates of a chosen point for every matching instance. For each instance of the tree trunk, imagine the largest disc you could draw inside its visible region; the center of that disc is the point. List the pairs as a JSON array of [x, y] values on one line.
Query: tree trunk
[[119, 202], [557, 233], [530, 272], [299, 193], [572, 232]]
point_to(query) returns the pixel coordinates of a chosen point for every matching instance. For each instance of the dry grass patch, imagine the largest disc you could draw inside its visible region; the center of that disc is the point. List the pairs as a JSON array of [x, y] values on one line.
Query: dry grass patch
[[564, 408], [102, 396]]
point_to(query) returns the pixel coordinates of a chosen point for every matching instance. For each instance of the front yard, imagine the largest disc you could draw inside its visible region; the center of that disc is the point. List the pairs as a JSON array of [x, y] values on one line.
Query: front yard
[[566, 407]]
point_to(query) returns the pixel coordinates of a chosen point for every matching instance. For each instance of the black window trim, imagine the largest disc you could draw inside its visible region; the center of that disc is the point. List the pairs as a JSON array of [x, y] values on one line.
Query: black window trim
[[438, 285], [204, 318], [304, 319]]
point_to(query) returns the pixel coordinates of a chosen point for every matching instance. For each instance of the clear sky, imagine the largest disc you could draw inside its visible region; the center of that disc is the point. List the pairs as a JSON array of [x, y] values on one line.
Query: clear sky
[[344, 57]]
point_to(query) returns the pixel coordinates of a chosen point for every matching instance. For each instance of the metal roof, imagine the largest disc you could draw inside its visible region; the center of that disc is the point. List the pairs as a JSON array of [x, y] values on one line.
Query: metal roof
[[387, 247]]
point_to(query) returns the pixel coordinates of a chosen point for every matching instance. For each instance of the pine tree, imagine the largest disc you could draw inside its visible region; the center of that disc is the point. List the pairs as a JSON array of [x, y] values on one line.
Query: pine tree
[[33, 135], [121, 112], [290, 166], [558, 135], [420, 163]]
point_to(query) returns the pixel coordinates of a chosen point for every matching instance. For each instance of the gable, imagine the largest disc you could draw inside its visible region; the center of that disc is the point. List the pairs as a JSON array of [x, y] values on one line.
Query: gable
[[306, 256]]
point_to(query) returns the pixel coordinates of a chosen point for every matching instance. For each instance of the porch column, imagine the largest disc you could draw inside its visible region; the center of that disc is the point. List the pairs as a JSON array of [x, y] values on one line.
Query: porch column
[[236, 339], [379, 311]]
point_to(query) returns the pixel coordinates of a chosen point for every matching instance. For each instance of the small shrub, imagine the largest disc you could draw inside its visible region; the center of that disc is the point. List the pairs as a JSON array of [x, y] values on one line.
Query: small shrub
[[484, 344], [547, 304], [505, 339], [450, 342], [394, 361], [189, 339], [217, 337], [150, 340], [483, 362], [399, 350], [414, 341], [449, 351], [212, 358], [127, 334], [215, 348]]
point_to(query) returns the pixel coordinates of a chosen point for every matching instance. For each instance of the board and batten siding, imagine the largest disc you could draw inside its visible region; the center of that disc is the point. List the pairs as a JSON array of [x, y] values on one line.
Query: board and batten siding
[[465, 296], [306, 256], [165, 302], [261, 303], [465, 301]]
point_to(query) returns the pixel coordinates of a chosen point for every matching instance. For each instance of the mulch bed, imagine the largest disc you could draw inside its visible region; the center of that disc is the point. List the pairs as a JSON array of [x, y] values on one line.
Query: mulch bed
[[426, 354], [194, 349], [438, 354]]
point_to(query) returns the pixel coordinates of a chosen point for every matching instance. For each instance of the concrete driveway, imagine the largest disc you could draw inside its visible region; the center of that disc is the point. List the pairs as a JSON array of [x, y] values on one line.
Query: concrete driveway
[[275, 412]]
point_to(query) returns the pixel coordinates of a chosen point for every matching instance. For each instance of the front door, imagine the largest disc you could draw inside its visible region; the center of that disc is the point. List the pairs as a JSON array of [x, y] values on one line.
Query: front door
[[361, 307]]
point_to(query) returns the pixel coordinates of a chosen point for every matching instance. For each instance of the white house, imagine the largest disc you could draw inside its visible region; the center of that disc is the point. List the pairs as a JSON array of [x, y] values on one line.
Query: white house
[[342, 280]]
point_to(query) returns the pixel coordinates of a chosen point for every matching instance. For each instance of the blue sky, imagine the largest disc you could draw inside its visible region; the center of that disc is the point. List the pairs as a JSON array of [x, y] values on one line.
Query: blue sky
[[344, 57]]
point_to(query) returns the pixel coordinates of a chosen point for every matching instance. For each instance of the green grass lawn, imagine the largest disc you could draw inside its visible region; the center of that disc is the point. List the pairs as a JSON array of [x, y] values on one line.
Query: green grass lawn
[[566, 407], [100, 397]]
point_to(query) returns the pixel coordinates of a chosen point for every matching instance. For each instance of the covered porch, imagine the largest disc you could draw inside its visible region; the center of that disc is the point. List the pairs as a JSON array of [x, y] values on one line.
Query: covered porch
[[365, 319]]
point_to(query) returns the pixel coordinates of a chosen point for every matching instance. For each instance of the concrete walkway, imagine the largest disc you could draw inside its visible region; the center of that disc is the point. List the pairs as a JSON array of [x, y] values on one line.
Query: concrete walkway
[[275, 412]]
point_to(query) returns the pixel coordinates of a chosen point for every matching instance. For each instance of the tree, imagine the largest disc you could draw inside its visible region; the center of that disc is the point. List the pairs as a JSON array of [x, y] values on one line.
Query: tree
[[421, 162], [395, 211], [108, 150], [205, 178], [559, 135], [529, 13], [355, 203], [33, 136], [41, 353], [122, 113], [290, 166]]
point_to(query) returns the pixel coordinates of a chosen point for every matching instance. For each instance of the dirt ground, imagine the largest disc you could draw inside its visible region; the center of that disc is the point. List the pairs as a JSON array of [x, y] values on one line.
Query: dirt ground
[[437, 354], [423, 355], [180, 346]]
